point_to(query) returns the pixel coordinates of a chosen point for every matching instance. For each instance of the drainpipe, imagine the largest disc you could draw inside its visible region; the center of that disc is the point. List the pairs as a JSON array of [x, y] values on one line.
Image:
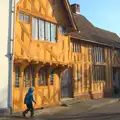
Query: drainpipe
[[10, 47]]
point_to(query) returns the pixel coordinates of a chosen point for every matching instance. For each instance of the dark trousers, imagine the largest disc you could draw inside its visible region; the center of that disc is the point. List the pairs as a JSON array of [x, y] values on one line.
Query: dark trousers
[[29, 108]]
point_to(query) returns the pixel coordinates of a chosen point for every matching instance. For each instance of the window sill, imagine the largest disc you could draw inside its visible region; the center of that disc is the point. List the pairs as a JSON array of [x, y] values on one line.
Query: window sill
[[43, 41], [24, 22]]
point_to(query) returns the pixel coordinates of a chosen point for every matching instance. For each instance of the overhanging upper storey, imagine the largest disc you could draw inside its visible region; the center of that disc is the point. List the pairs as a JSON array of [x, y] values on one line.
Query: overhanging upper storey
[[56, 11], [41, 27]]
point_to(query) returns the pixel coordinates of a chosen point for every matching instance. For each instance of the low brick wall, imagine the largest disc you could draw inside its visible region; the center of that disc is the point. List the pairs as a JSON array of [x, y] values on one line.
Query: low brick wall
[[88, 96], [98, 95], [108, 94], [83, 97]]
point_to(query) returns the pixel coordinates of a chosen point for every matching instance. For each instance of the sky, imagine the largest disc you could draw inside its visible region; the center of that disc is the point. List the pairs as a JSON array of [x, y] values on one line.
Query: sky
[[104, 14]]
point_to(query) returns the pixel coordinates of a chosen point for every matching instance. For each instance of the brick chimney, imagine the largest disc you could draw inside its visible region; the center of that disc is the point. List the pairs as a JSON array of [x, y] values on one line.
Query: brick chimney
[[75, 8]]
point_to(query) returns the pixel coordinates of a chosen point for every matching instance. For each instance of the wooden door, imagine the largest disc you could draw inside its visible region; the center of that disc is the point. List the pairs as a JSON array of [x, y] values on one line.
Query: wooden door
[[66, 84]]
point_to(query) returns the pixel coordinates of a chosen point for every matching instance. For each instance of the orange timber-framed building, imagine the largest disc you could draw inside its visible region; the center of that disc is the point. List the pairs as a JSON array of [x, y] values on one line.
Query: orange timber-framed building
[[55, 52]]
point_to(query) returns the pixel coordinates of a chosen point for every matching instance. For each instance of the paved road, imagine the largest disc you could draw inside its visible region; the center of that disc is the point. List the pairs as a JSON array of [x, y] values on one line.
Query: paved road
[[108, 112]]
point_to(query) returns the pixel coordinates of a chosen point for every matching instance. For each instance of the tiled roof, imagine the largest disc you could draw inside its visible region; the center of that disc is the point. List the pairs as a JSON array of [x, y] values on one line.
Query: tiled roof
[[90, 33]]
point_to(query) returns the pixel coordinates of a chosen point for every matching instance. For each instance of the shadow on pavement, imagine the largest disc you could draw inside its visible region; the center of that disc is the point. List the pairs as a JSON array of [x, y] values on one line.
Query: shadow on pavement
[[88, 116]]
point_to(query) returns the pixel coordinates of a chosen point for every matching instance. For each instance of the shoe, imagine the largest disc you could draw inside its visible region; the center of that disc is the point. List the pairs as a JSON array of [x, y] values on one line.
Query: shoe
[[23, 114], [32, 114]]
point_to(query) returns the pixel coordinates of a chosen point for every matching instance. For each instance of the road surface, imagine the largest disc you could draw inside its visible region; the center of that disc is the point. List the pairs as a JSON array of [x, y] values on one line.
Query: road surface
[[108, 112]]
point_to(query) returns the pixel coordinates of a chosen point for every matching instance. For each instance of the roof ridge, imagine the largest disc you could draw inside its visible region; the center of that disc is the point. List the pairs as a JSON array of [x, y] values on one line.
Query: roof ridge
[[104, 30], [84, 17]]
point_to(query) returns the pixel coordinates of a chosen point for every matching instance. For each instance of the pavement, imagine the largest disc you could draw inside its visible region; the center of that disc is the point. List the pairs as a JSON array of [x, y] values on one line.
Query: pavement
[[72, 107], [107, 112]]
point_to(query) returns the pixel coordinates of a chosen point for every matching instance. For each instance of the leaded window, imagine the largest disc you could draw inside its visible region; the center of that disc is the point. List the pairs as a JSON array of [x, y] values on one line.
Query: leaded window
[[17, 77], [33, 76], [98, 54], [43, 30], [99, 72], [26, 79], [47, 31], [76, 47], [21, 16], [53, 32], [42, 77], [34, 28], [52, 78], [24, 17]]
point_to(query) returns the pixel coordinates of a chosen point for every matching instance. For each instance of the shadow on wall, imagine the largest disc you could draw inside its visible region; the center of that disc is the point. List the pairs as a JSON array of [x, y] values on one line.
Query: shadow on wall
[[3, 97]]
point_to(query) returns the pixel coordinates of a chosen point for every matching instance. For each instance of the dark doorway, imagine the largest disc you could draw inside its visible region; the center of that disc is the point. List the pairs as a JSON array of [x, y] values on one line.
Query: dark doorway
[[66, 84], [116, 77]]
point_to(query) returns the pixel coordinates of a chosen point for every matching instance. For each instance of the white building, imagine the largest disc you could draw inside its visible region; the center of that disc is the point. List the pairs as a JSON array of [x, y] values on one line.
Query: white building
[[6, 36]]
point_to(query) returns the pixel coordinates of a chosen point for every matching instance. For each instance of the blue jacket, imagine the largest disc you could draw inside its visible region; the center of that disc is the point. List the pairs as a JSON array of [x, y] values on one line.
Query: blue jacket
[[29, 97]]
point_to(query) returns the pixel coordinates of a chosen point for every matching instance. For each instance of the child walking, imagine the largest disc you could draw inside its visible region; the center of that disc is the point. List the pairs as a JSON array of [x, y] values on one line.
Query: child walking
[[28, 101]]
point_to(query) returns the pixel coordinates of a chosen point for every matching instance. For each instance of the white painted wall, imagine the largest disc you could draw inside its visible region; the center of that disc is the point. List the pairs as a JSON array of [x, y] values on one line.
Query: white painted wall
[[4, 7]]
